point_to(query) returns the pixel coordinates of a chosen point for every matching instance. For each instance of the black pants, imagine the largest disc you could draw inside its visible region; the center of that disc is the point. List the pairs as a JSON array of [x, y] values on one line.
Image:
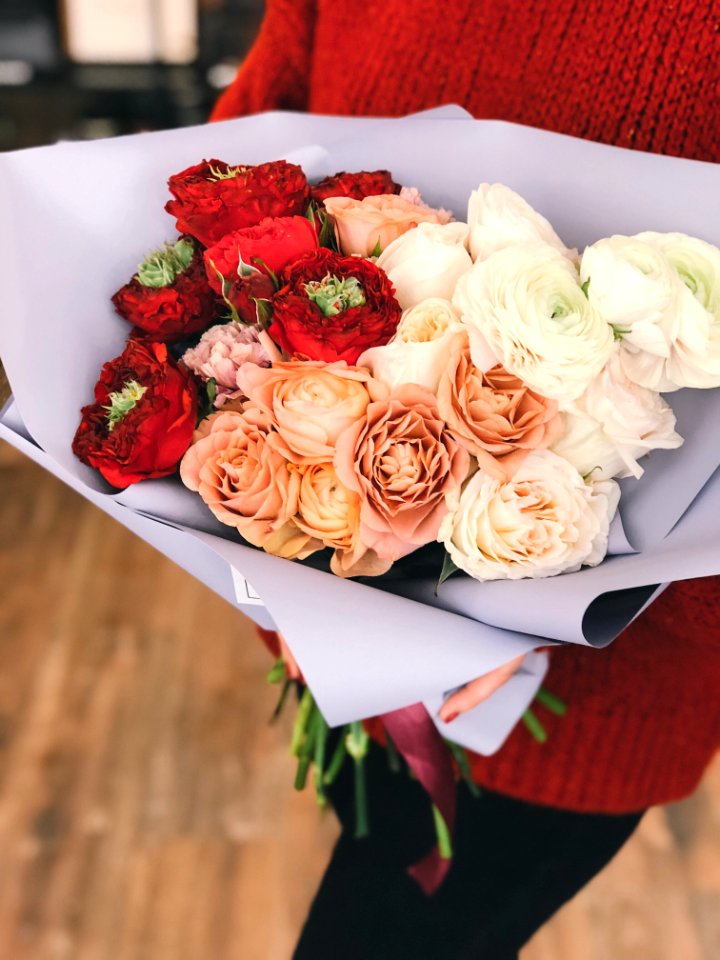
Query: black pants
[[515, 864]]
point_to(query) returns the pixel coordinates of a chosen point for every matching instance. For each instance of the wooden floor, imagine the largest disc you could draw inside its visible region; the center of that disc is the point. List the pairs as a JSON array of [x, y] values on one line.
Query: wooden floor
[[146, 808]]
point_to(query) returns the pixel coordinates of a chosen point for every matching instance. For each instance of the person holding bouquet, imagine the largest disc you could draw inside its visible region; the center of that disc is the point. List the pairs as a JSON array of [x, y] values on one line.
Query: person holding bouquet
[[644, 715]]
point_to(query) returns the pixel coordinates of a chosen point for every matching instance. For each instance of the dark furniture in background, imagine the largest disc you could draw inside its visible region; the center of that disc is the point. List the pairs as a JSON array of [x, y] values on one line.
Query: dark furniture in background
[[45, 96]]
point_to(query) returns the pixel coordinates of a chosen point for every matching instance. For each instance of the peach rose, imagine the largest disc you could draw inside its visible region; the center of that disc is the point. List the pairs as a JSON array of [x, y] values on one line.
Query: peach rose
[[246, 483], [494, 415], [328, 511], [361, 226], [310, 403], [402, 462]]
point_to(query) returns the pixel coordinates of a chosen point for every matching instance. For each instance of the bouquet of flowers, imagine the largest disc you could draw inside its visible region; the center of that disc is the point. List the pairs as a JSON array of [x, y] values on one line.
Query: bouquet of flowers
[[382, 377], [352, 378]]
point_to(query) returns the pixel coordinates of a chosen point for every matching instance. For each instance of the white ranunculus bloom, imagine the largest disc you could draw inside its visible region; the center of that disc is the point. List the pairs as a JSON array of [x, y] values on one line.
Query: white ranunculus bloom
[[544, 521], [615, 423], [420, 350], [427, 261], [661, 293], [694, 359], [524, 306], [498, 218]]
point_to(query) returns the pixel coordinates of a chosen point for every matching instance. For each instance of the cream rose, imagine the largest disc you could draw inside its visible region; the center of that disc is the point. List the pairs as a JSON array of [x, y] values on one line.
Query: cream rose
[[310, 403], [613, 424], [363, 226], [499, 218], [495, 416], [428, 320], [402, 463], [543, 522], [246, 483], [420, 350], [426, 262], [524, 308]]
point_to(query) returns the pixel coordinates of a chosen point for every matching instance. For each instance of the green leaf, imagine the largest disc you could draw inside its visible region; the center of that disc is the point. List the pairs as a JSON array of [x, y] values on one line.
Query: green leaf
[[376, 250], [449, 567], [443, 835], [585, 287], [278, 671], [536, 729], [551, 702], [263, 312], [271, 273]]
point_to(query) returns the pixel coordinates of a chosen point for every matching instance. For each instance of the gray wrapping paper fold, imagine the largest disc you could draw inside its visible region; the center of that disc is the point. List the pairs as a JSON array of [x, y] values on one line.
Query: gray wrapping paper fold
[[71, 239]]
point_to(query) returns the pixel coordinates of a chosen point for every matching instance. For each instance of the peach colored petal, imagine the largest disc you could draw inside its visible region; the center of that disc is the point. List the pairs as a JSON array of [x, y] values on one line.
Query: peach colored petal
[[493, 414], [403, 463], [362, 225]]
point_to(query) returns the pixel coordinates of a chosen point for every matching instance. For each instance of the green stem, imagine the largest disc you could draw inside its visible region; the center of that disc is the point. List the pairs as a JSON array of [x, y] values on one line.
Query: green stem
[[306, 749], [443, 835], [305, 710], [337, 760], [537, 730], [554, 704], [393, 757], [362, 823], [281, 701], [356, 743], [321, 735], [461, 758]]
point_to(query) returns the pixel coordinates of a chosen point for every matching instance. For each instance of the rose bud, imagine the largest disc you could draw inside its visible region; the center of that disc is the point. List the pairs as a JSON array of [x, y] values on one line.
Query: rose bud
[[143, 417], [355, 185], [333, 308], [212, 199], [242, 266], [169, 297]]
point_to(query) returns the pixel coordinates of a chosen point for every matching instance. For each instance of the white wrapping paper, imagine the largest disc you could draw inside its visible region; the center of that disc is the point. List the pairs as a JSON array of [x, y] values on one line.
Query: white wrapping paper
[[77, 218]]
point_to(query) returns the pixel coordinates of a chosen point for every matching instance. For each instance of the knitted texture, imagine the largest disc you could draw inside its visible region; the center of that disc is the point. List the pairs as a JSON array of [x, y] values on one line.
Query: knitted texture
[[644, 714]]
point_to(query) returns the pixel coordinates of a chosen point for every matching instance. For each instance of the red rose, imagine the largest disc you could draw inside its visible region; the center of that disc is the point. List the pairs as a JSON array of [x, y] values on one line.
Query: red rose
[[356, 185], [276, 242], [143, 417], [333, 307], [169, 298], [212, 198]]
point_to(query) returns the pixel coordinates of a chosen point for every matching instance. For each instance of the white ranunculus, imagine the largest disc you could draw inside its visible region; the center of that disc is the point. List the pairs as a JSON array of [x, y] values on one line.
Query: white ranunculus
[[427, 261], [420, 350], [661, 293], [498, 218], [615, 423], [633, 286], [694, 359], [544, 521], [525, 306]]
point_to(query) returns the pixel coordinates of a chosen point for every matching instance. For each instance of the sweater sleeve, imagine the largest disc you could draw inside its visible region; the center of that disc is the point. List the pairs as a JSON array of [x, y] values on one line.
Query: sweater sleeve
[[276, 72]]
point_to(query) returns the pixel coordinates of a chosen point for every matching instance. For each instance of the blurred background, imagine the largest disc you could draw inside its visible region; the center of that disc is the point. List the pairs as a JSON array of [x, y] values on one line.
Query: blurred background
[[146, 803], [79, 69]]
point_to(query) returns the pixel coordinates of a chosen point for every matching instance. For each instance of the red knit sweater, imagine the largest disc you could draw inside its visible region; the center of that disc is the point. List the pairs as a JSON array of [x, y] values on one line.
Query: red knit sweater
[[644, 717]]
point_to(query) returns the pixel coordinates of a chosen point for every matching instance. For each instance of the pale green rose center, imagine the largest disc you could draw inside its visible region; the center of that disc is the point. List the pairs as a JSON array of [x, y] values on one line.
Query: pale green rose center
[[163, 266], [123, 401], [333, 294]]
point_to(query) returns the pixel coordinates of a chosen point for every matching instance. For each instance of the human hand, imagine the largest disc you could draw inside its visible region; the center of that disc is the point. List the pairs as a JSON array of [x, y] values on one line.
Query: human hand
[[475, 692]]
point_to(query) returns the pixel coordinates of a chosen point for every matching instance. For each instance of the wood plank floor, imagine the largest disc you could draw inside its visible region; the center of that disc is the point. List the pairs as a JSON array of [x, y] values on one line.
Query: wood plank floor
[[146, 808]]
